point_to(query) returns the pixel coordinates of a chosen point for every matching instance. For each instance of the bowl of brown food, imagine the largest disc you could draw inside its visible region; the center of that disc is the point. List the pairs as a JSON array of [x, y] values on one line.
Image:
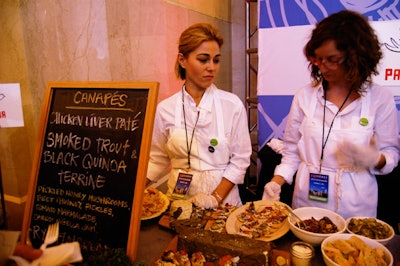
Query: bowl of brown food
[[370, 227], [312, 224]]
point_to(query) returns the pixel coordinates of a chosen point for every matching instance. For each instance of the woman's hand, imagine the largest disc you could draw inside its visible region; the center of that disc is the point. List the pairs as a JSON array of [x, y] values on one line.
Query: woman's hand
[[205, 201], [272, 191], [355, 156]]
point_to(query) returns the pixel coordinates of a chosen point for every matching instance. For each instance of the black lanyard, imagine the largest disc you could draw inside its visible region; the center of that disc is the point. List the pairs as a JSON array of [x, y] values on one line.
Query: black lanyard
[[330, 127], [189, 147]]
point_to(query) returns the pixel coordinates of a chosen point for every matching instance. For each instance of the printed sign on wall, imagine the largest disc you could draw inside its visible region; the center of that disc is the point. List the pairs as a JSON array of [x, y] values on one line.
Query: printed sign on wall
[[10, 106]]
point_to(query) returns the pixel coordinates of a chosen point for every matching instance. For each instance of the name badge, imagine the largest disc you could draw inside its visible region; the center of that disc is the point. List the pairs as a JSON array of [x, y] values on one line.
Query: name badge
[[182, 185], [318, 189]]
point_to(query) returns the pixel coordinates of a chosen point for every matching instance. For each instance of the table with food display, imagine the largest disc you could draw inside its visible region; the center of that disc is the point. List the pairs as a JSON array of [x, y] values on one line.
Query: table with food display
[[175, 232]]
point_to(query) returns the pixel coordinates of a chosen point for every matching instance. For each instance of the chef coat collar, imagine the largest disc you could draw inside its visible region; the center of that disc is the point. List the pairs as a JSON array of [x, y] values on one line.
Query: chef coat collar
[[207, 99], [348, 109]]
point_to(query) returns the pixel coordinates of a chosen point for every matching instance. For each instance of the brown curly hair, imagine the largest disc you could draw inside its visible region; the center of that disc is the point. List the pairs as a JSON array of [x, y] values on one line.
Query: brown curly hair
[[192, 38], [355, 37]]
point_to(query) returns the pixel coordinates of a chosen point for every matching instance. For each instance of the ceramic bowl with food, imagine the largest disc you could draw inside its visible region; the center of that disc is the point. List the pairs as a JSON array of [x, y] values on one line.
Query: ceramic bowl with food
[[370, 227], [327, 221], [348, 249]]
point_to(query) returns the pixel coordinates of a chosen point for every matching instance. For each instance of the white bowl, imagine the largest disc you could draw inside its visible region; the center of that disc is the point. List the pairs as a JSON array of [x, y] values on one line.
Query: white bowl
[[383, 241], [305, 213], [370, 242]]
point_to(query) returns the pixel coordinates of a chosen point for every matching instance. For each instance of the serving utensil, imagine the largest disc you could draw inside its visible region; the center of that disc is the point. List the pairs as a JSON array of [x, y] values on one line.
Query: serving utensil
[[299, 222], [51, 235]]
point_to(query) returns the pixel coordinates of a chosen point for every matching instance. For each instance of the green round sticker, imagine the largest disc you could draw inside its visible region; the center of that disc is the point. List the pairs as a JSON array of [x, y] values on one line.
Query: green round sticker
[[363, 121], [214, 142]]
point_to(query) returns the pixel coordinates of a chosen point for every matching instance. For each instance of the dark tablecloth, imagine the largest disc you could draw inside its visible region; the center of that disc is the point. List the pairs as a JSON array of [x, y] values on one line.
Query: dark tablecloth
[[153, 240]]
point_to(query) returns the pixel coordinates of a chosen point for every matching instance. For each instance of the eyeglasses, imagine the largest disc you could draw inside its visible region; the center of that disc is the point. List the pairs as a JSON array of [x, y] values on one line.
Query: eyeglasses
[[331, 62]]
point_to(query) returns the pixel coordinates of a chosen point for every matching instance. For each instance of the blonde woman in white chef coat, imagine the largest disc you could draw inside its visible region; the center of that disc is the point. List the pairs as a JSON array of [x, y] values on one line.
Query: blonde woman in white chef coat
[[200, 133], [342, 129]]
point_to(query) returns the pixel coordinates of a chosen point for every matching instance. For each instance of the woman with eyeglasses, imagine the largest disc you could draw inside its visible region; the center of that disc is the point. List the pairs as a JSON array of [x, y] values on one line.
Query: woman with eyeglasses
[[342, 129]]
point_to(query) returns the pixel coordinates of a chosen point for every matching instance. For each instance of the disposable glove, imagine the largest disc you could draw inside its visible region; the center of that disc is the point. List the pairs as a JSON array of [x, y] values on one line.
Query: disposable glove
[[205, 201], [356, 156], [272, 191], [276, 145]]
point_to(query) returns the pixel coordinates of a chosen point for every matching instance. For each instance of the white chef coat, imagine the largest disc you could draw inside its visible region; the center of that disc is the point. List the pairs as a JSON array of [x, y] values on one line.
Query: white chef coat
[[221, 116], [350, 193]]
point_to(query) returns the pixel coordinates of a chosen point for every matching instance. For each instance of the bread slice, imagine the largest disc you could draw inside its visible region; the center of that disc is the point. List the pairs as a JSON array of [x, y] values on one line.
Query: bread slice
[[344, 246]]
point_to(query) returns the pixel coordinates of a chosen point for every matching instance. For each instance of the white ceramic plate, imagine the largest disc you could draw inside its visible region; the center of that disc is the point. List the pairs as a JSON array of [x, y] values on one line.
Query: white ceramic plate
[[233, 224]]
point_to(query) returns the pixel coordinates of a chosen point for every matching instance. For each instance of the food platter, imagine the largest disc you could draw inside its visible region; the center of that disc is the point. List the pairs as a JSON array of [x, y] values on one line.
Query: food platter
[[269, 215], [154, 204]]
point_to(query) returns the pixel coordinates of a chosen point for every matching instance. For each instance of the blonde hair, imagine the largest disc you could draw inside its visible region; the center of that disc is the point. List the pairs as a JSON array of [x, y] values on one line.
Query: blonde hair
[[191, 39]]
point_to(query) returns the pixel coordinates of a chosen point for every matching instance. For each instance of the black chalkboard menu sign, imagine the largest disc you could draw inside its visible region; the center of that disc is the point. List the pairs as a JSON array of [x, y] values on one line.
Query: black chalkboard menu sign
[[90, 164]]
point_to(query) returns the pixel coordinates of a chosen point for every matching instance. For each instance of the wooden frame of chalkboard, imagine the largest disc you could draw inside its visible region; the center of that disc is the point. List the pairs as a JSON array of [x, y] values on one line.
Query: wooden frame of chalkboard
[[90, 164]]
